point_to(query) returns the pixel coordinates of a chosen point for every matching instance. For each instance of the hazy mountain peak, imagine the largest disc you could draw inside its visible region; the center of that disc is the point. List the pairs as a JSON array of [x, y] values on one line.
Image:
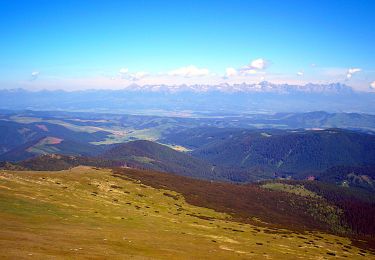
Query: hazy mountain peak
[[263, 86]]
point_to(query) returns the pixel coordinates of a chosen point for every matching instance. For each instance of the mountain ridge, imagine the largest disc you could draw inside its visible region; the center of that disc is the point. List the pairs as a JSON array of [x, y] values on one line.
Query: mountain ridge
[[154, 156], [280, 150], [264, 86], [264, 97]]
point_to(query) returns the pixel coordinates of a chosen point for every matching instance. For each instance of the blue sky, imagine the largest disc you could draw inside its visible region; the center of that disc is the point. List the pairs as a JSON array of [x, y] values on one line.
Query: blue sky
[[111, 44]]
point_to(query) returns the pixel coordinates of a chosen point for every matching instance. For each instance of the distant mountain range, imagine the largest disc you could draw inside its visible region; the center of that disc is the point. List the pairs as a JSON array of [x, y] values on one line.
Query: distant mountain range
[[264, 86], [264, 97]]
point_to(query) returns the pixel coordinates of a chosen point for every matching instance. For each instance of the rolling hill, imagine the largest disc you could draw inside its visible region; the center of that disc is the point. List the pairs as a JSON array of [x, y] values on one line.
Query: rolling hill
[[150, 155], [362, 177], [25, 140], [224, 148], [51, 145], [279, 150]]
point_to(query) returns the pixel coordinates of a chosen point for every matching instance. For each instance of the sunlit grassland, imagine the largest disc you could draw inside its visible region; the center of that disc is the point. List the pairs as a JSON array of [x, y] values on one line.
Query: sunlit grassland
[[88, 213], [70, 126], [117, 134], [319, 208], [295, 189], [130, 134]]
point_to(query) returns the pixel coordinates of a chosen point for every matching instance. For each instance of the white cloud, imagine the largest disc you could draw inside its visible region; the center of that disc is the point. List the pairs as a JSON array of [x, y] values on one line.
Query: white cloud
[[300, 73], [138, 75], [34, 75], [125, 74], [372, 85], [259, 64], [354, 70], [250, 72], [351, 72], [189, 71], [229, 72], [255, 67], [124, 70]]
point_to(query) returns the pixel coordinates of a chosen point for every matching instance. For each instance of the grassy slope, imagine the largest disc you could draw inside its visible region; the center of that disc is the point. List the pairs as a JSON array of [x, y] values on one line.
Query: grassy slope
[[89, 213]]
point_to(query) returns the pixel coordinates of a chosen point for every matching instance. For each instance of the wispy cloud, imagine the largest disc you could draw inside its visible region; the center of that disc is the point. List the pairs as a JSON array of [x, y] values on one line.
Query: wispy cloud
[[138, 75], [189, 71], [256, 66], [124, 71], [351, 72], [126, 74], [259, 64], [34, 75], [230, 72], [255, 71]]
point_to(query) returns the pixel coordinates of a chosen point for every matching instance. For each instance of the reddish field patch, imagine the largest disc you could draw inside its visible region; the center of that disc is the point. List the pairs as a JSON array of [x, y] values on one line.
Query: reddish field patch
[[43, 127], [54, 140]]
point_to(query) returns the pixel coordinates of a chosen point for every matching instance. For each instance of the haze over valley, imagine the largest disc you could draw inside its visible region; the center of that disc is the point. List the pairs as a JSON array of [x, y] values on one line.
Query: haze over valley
[[197, 130]]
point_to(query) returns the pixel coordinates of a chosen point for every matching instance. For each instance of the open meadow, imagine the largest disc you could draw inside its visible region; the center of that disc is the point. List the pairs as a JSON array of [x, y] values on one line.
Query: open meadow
[[90, 213]]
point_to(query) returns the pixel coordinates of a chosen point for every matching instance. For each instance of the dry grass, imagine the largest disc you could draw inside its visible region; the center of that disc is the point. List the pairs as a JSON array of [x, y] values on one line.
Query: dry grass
[[88, 213]]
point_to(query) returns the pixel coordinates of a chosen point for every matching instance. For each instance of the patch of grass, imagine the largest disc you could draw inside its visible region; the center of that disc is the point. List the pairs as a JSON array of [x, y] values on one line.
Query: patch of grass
[[89, 213], [179, 148], [142, 159], [318, 207], [299, 190]]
